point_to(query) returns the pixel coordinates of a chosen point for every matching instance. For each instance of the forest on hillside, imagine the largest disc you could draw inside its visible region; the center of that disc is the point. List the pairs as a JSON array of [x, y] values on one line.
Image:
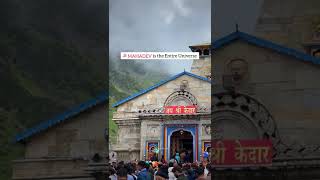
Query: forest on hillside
[[127, 77], [53, 56]]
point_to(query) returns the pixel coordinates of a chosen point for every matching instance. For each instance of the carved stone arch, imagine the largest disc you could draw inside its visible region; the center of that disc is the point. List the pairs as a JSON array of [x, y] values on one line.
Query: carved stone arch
[[230, 124], [181, 96], [243, 111]]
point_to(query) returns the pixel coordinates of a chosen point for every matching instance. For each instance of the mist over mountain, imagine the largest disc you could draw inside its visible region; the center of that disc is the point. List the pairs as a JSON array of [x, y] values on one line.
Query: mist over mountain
[[127, 77]]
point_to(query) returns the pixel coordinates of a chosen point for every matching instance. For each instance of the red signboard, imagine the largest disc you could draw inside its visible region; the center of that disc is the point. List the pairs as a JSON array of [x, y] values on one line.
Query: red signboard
[[241, 153], [180, 109]]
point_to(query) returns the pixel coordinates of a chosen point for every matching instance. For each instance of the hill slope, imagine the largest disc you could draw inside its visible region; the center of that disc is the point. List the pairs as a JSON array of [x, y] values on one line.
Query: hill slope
[[126, 78]]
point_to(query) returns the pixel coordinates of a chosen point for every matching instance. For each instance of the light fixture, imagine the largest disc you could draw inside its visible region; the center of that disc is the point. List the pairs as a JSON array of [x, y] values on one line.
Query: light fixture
[[181, 132]]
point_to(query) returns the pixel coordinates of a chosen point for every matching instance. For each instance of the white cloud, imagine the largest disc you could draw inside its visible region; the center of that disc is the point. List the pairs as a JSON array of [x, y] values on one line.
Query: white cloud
[[177, 8], [168, 16], [159, 25], [181, 7]]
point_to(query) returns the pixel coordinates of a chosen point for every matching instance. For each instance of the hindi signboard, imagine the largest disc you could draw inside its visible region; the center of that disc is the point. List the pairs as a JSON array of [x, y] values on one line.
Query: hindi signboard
[[180, 109], [226, 153]]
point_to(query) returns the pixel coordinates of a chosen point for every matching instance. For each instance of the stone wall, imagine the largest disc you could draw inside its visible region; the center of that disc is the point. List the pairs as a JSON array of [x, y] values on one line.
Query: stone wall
[[151, 131], [127, 146], [58, 148], [156, 98], [202, 66], [134, 132], [205, 129], [81, 136], [62, 168], [288, 22], [286, 86]]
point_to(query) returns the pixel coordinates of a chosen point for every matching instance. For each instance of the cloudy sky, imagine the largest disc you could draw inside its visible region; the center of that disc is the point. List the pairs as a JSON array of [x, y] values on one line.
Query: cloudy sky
[[159, 25], [227, 13], [172, 25]]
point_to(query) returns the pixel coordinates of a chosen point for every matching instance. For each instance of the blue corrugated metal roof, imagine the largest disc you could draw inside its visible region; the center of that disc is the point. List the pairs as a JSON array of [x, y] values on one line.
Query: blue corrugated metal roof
[[238, 35], [159, 84], [62, 117]]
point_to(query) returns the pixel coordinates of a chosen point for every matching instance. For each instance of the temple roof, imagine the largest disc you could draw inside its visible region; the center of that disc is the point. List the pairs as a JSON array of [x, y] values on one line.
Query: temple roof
[[159, 84], [202, 44], [238, 35], [44, 125]]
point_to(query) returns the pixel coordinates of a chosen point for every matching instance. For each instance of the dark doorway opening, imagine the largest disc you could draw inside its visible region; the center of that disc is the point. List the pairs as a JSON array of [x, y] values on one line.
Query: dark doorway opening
[[182, 142]]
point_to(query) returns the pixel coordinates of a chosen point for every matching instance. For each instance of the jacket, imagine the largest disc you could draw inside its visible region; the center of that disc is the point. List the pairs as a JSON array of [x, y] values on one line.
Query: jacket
[[144, 175]]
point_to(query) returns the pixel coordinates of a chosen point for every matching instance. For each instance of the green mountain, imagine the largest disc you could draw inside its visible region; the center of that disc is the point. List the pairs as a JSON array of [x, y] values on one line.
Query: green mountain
[[125, 78], [42, 72]]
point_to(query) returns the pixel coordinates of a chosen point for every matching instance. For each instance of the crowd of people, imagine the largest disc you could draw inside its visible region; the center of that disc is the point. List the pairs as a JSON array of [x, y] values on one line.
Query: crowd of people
[[157, 170]]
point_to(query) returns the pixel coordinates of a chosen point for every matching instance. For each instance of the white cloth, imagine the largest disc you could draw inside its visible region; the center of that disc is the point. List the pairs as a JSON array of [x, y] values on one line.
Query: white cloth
[[113, 177], [206, 172], [154, 175], [171, 174]]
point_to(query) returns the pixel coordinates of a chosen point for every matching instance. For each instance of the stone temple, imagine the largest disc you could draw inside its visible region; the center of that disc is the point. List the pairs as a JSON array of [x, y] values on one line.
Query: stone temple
[[143, 123]]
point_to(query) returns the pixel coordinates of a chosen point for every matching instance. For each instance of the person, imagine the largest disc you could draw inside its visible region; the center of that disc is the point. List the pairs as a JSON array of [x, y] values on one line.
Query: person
[[179, 174], [162, 173], [131, 175], [150, 170], [113, 175], [143, 172], [114, 164], [188, 171], [205, 155], [183, 156], [200, 174], [177, 157], [171, 174], [210, 168], [189, 156], [122, 173], [163, 161], [154, 157], [186, 158], [205, 165]]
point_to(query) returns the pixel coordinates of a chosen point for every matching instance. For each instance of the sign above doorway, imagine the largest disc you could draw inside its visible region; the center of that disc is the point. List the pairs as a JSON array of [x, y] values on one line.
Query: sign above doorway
[[180, 109]]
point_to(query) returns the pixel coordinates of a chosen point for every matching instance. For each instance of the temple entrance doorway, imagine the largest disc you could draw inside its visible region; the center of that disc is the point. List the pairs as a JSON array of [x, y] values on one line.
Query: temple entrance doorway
[[182, 142]]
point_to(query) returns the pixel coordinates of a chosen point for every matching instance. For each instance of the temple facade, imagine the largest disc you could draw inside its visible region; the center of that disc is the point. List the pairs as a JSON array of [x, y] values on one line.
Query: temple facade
[[145, 127]]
